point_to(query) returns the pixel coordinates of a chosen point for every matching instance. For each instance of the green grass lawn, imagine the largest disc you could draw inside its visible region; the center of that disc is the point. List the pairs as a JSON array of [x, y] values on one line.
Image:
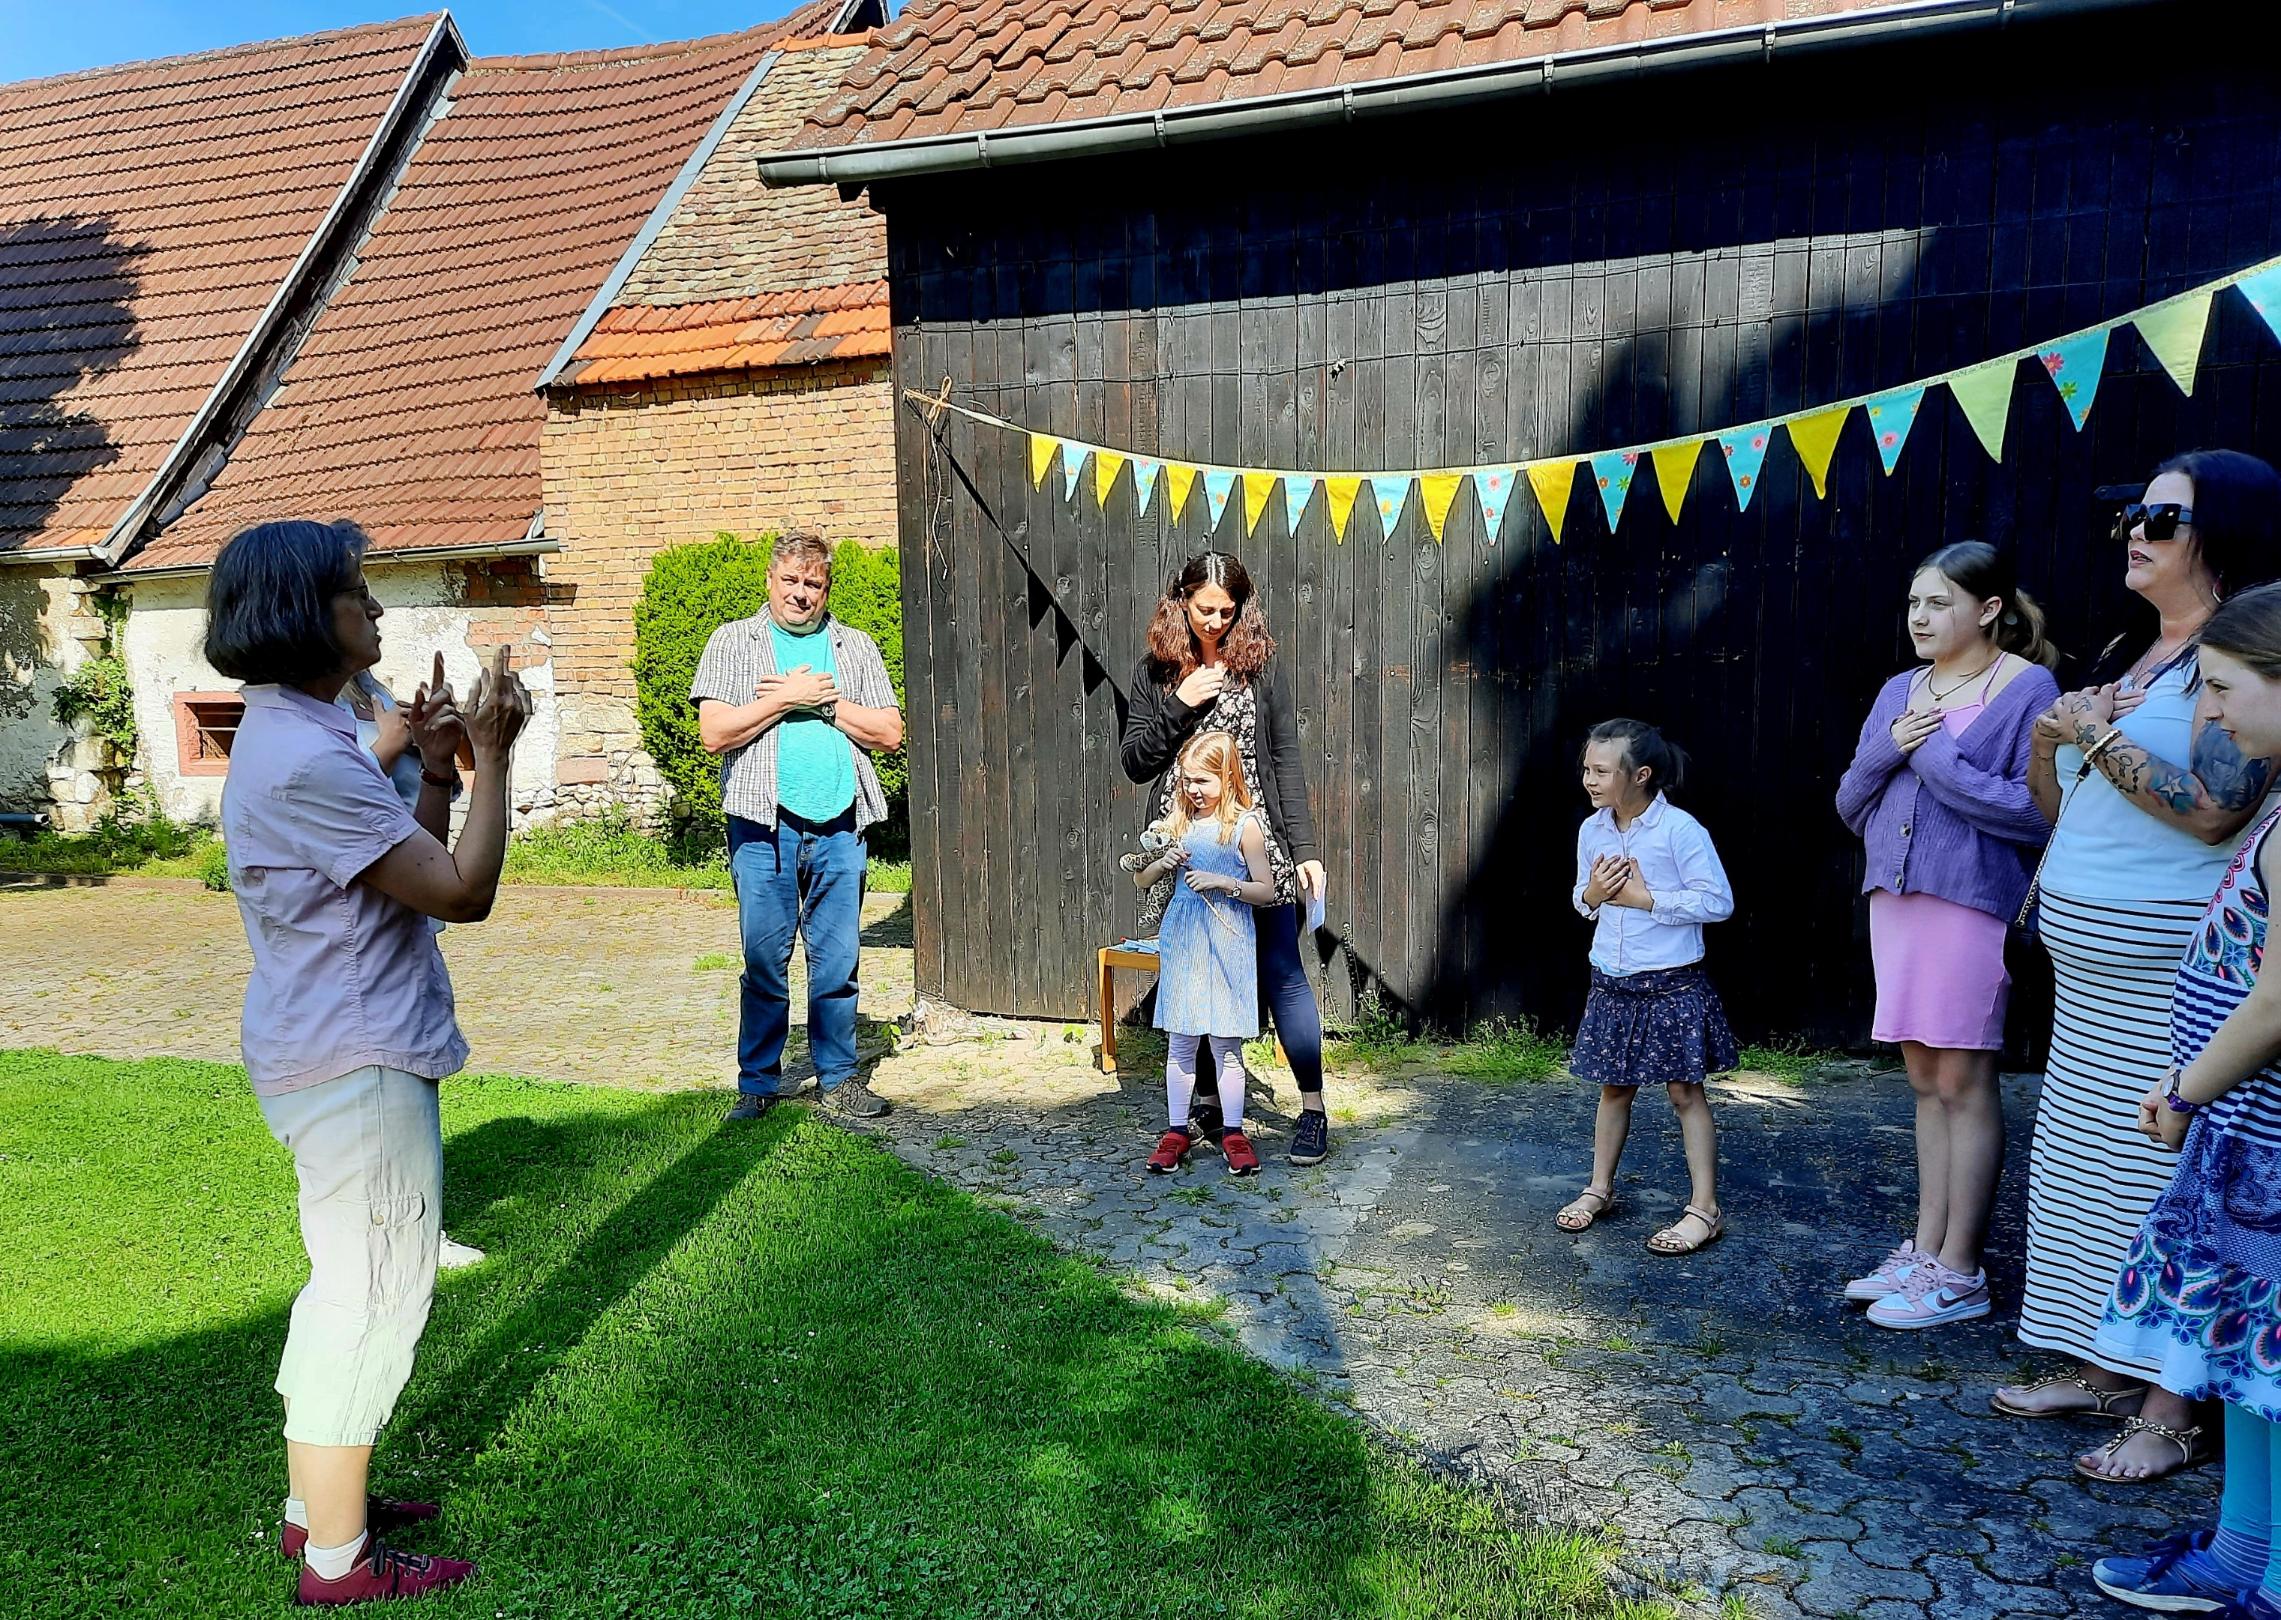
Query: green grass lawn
[[763, 1371]]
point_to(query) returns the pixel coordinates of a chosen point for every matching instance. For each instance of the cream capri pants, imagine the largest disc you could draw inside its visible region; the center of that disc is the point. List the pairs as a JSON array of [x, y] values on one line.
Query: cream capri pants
[[368, 1148]]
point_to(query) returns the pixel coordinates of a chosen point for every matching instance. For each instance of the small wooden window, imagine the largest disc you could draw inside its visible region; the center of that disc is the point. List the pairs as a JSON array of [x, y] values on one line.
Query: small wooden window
[[205, 729]]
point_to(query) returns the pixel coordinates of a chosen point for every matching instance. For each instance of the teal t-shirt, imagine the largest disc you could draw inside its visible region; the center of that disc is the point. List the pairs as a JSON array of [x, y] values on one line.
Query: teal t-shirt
[[815, 763]]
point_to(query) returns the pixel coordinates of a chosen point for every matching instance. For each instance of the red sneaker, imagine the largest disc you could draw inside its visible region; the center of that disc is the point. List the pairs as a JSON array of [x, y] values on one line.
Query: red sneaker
[[1171, 1151], [381, 1517], [1243, 1158], [383, 1572]]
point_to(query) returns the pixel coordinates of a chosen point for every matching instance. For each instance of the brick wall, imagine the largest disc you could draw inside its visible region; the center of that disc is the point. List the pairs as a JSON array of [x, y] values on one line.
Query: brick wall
[[629, 472]]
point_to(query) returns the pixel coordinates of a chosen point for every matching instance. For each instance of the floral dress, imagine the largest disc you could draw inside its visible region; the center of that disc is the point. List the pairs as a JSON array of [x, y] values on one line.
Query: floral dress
[[1236, 712], [2198, 1290]]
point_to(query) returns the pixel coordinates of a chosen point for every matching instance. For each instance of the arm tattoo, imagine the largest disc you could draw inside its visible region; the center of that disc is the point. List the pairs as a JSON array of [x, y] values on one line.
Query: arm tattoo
[[2230, 780]]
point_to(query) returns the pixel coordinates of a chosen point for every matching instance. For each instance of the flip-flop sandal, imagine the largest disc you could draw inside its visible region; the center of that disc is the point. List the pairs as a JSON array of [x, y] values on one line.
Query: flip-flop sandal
[[1574, 1217], [1669, 1244], [2192, 1453], [2102, 1408]]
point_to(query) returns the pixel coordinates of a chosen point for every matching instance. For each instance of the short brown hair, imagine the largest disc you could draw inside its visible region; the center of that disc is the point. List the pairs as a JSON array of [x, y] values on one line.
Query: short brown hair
[[800, 543]]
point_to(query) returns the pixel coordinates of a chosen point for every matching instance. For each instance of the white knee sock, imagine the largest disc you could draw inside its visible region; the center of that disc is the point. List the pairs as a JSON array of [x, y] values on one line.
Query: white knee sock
[[1179, 1079], [297, 1513], [1228, 1051], [331, 1563]]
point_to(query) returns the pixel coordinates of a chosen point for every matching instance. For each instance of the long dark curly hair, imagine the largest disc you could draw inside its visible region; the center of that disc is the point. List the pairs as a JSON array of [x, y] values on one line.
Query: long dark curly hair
[[1172, 650]]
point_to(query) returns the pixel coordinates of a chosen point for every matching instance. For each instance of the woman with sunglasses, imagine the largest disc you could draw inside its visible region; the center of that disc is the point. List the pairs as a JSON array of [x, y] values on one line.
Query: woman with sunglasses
[[2148, 801]]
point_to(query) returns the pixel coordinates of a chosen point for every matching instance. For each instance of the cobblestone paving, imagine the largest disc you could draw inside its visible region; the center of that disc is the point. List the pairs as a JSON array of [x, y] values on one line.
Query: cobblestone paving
[[1742, 1434]]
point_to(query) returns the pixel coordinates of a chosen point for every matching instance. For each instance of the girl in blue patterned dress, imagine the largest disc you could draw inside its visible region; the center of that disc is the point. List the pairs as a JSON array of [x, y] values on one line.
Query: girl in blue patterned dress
[[2200, 1291], [1207, 984]]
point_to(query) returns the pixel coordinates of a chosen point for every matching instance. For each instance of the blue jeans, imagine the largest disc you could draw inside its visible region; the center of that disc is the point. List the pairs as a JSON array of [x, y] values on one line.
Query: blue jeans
[[803, 877]]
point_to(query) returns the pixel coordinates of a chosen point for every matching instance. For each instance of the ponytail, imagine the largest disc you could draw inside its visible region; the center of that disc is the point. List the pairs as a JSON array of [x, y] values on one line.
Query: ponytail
[[1665, 761]]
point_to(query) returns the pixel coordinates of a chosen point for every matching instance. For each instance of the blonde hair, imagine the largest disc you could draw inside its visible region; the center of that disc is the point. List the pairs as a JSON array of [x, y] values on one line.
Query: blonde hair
[[1214, 751]]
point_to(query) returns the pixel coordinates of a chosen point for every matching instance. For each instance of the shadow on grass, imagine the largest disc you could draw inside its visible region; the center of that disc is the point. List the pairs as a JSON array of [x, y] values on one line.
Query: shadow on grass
[[708, 1371]]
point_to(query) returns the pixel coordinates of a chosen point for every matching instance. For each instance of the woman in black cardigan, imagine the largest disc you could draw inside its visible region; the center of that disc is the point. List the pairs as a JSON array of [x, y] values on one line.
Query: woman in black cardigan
[[1210, 667]]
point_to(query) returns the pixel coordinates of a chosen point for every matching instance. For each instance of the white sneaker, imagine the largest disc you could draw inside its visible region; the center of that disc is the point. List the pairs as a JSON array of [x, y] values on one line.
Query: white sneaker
[[457, 1256], [1890, 1274], [1933, 1296]]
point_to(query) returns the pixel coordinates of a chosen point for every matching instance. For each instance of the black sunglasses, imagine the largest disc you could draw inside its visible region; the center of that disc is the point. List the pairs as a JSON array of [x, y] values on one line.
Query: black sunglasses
[[2161, 520]]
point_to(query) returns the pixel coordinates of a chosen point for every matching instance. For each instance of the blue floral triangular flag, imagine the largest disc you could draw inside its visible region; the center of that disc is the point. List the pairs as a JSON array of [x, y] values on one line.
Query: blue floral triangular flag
[[1612, 470], [1145, 472], [1493, 487], [2263, 290], [1072, 463], [1298, 489], [1392, 494], [1890, 418], [1219, 484], [1744, 449], [2074, 364]]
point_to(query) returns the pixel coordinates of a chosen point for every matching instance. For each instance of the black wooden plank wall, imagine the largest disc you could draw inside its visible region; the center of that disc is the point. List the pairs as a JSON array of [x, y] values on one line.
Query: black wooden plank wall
[[1536, 278]]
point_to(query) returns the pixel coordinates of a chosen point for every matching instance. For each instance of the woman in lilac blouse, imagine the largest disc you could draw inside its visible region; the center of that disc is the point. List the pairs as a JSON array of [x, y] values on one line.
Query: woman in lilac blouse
[[349, 1022], [1938, 792]]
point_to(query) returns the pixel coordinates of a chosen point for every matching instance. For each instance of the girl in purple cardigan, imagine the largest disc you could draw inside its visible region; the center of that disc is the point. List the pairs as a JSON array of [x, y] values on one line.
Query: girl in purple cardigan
[[1938, 793]]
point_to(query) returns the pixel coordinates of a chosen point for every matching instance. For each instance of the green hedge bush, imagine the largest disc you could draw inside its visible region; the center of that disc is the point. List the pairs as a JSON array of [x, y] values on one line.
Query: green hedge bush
[[692, 590]]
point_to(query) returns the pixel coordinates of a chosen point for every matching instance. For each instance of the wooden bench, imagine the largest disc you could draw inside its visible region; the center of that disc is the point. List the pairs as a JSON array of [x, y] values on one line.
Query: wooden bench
[[1111, 959]]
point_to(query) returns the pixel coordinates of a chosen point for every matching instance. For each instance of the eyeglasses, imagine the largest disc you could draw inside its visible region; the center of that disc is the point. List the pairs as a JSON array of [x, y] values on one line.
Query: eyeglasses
[[2161, 520]]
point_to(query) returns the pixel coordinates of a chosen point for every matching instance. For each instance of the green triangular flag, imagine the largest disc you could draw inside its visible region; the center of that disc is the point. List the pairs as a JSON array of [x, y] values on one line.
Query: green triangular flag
[[2173, 330], [1984, 394]]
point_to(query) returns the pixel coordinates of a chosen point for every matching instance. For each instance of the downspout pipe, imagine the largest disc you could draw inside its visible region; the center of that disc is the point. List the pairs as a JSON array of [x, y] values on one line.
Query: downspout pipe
[[1600, 65]]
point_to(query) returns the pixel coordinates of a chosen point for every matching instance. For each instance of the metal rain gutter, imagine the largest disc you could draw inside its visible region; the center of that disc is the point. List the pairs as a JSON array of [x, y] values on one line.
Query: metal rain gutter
[[376, 559], [53, 554], [123, 532], [938, 154]]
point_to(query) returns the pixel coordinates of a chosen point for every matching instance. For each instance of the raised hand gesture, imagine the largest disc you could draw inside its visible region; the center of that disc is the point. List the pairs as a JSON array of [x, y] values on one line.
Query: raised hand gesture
[[498, 708], [434, 718]]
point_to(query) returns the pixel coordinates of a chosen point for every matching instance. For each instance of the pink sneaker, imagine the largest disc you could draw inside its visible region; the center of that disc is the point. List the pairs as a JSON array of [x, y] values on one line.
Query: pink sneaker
[[1889, 1275], [1933, 1296]]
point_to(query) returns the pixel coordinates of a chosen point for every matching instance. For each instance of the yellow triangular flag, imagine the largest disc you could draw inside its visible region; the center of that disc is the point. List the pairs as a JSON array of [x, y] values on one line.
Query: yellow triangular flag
[[1183, 480], [2173, 330], [1984, 394], [1257, 486], [1041, 456], [1439, 489], [1106, 465], [1552, 480], [1815, 439], [1674, 471], [1341, 493]]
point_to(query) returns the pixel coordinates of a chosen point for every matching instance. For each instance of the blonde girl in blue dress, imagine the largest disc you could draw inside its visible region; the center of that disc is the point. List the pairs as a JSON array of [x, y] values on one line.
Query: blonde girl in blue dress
[[2199, 1296], [1207, 986]]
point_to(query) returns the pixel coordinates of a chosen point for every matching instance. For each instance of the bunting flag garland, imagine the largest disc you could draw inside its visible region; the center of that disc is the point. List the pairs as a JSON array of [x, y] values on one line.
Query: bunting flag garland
[[1106, 465], [1219, 484], [1612, 471], [1890, 418], [1674, 471], [1984, 394], [1493, 487], [1552, 481], [1392, 495], [1815, 439], [1145, 470], [2075, 363], [1745, 452], [1183, 485], [1258, 488], [2173, 329]]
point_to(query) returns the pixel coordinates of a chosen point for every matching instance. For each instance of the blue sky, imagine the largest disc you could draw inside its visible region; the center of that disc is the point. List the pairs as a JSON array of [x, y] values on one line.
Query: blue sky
[[61, 36]]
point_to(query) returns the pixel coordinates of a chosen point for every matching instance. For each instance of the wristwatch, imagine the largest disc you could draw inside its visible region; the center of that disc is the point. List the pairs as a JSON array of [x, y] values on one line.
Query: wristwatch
[[2170, 1097]]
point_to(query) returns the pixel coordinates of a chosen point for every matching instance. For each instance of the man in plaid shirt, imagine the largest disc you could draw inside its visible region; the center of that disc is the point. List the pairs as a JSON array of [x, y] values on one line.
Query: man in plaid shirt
[[795, 703]]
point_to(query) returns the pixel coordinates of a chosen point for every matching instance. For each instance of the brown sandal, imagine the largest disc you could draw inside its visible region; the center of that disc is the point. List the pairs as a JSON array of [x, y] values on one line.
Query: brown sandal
[[1574, 1217], [2192, 1453], [1668, 1241], [2102, 1407]]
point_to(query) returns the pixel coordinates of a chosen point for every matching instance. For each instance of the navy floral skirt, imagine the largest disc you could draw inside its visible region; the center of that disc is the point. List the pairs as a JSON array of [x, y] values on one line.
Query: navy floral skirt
[[1652, 1029]]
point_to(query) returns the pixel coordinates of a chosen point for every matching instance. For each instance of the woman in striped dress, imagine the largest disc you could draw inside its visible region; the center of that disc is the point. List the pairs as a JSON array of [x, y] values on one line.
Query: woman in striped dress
[[2138, 845], [2199, 1297]]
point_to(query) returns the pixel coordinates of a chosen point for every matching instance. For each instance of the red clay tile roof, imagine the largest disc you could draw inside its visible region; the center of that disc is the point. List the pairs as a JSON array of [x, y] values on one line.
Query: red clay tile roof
[[410, 409], [958, 66], [638, 343], [148, 214]]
